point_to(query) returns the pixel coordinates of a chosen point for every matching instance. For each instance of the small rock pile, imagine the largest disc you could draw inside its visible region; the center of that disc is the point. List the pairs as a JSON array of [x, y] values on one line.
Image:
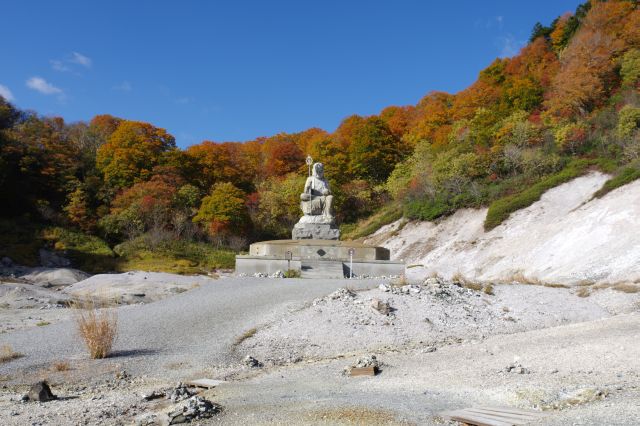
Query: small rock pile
[[180, 393], [516, 368], [405, 289], [367, 361], [448, 292], [341, 294], [251, 362], [196, 408], [383, 307], [120, 379], [363, 362]]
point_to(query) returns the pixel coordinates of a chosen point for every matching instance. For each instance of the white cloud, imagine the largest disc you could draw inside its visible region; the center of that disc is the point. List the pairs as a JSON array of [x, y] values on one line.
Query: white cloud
[[80, 59], [6, 93], [125, 86], [510, 46], [69, 63], [184, 100], [59, 65], [39, 84]]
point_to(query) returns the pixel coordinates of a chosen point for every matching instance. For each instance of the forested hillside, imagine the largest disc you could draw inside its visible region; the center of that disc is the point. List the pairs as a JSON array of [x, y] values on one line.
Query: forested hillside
[[568, 102]]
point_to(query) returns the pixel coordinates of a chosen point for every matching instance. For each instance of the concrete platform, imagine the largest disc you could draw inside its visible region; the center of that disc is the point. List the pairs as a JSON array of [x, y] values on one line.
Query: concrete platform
[[318, 268], [318, 259], [318, 249]]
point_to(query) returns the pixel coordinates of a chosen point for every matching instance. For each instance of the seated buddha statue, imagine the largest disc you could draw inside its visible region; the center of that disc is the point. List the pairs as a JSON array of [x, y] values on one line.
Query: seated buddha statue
[[316, 200]]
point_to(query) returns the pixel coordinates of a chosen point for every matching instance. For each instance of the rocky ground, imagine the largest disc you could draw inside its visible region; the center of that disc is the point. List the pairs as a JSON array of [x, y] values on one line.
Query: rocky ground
[[282, 345]]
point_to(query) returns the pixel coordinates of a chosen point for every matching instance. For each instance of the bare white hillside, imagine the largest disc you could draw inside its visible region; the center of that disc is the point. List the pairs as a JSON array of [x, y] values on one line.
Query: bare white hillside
[[564, 238]]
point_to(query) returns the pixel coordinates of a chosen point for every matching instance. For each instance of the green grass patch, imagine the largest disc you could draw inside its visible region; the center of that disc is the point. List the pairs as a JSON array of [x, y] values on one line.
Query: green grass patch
[[501, 209], [627, 175], [441, 205], [21, 239], [428, 209], [292, 273], [173, 256], [362, 228], [87, 252]]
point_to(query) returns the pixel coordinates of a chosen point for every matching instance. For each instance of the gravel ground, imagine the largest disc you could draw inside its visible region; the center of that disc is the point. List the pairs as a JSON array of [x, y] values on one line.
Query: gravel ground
[[569, 365], [27, 305], [195, 329], [135, 286], [581, 355], [422, 317]]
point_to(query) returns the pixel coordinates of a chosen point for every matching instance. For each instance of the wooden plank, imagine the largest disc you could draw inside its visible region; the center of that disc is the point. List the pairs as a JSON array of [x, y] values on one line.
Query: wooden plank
[[365, 371], [511, 419], [513, 410], [463, 417], [493, 416], [515, 416], [205, 383]]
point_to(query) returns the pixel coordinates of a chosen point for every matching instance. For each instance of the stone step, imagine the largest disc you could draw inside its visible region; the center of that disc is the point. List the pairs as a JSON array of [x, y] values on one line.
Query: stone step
[[322, 269]]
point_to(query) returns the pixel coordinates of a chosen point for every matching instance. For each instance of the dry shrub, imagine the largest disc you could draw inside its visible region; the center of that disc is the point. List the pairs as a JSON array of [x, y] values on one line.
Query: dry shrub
[[583, 292], [246, 335], [520, 278], [555, 285], [472, 286], [238, 243], [462, 281], [458, 278], [61, 366], [98, 329], [7, 354], [627, 288], [401, 281]]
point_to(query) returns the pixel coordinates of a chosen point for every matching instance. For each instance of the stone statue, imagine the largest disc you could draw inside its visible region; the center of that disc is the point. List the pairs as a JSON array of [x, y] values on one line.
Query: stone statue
[[316, 202]]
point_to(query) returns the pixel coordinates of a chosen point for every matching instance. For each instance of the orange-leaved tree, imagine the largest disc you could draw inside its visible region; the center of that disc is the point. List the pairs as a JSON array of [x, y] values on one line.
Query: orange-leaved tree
[[131, 152], [224, 211], [588, 71]]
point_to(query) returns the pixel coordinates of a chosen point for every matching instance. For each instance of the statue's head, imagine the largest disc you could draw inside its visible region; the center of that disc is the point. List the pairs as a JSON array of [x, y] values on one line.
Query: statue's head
[[318, 170]]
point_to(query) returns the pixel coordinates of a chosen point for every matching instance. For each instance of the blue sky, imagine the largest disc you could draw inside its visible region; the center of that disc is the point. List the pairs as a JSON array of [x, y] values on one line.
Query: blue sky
[[236, 70]]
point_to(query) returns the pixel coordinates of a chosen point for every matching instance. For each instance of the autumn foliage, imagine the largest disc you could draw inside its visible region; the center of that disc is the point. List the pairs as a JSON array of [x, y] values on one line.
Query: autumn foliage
[[570, 93]]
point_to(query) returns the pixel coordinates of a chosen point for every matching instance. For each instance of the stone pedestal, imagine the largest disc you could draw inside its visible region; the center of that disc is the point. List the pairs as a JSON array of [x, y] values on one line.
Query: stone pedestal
[[315, 231], [318, 259]]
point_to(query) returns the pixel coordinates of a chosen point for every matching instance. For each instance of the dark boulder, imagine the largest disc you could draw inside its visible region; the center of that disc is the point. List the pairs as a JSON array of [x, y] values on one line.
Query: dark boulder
[[41, 392]]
